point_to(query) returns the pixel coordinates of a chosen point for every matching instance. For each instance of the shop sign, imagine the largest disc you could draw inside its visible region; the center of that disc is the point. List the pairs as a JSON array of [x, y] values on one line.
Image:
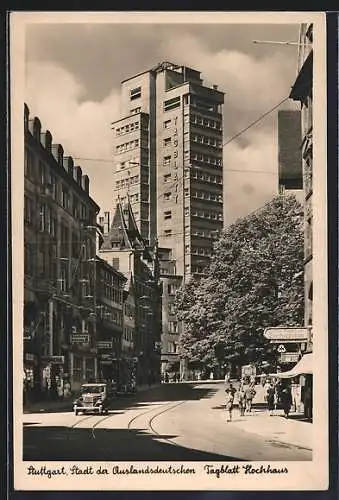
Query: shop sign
[[27, 333], [289, 357], [55, 360], [29, 357], [79, 338], [107, 356], [104, 344], [286, 334]]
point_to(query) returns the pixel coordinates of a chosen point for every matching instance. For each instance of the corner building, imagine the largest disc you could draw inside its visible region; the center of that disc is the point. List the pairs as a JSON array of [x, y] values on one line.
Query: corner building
[[168, 160]]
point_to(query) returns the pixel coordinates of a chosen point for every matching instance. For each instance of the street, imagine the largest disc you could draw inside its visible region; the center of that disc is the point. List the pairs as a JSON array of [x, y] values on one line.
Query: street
[[173, 422]]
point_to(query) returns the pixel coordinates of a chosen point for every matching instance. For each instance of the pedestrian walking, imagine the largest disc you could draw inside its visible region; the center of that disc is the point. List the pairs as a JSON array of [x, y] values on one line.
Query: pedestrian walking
[[241, 401], [229, 400], [249, 395], [270, 399], [286, 400], [267, 386]]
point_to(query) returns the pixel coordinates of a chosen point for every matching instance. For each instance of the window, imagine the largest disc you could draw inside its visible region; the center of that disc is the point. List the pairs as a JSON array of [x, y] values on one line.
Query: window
[[173, 327], [29, 259], [28, 210], [167, 141], [167, 196], [167, 123], [65, 198], [187, 211], [167, 160], [172, 103], [135, 93], [42, 215], [167, 177], [172, 347], [42, 173], [77, 367], [134, 111], [172, 288], [54, 192], [29, 172], [167, 233], [168, 215]]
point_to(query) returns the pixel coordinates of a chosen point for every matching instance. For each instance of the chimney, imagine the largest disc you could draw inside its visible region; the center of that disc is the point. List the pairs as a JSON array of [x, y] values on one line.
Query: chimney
[[58, 153], [85, 183], [46, 140], [77, 174], [68, 164]]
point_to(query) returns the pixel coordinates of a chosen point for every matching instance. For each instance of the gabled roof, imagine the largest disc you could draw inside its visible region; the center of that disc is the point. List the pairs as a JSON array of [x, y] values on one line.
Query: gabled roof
[[124, 233]]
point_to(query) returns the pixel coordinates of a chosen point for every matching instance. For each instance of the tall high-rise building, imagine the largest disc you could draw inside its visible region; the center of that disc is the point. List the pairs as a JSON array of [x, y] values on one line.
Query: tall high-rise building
[[168, 161], [168, 168]]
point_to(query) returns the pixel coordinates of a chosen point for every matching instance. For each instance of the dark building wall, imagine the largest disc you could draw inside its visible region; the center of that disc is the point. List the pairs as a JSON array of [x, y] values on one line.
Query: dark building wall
[[289, 149]]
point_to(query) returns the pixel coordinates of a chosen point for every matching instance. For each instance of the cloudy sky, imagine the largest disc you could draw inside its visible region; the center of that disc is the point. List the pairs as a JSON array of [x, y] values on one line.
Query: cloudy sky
[[73, 73]]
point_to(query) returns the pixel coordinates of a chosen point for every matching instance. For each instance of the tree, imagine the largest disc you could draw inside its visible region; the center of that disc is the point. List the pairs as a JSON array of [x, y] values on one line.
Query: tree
[[254, 281]]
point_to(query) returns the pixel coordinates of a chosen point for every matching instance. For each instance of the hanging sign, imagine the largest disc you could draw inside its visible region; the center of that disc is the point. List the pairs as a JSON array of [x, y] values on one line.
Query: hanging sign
[[80, 338], [289, 357], [56, 360], [104, 344]]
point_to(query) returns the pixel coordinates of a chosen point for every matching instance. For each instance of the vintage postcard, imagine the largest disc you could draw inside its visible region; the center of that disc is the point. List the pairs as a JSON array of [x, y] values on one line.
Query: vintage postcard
[[169, 236]]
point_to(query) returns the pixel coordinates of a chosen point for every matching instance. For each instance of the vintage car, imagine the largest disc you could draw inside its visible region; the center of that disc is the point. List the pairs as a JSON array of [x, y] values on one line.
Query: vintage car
[[93, 398]]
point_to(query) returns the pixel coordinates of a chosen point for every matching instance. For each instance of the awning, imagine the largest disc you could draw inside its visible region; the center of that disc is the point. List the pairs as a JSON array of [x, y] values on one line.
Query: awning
[[303, 367]]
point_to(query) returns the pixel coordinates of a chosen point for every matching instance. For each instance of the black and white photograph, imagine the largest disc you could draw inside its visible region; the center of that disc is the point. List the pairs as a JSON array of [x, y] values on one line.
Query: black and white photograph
[[170, 273]]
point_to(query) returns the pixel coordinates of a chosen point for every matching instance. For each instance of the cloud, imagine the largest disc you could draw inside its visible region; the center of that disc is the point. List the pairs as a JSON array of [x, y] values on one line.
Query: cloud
[[250, 174], [78, 103], [82, 127]]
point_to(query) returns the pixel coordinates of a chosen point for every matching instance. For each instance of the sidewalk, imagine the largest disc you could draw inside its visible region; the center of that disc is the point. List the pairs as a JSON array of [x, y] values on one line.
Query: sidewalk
[[292, 431], [48, 406]]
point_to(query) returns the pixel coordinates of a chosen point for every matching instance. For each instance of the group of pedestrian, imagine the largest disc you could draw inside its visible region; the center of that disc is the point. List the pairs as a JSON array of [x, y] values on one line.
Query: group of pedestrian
[[278, 395], [244, 395], [172, 377]]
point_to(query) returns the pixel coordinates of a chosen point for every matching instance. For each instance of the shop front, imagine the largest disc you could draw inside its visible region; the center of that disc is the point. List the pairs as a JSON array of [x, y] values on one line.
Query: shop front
[[300, 379]]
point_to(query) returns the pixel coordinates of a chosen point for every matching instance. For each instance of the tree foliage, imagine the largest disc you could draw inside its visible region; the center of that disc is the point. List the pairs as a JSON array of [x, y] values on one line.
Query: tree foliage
[[254, 281]]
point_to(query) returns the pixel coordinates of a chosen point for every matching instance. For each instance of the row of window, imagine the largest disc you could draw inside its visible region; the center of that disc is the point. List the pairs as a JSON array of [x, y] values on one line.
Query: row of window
[[211, 160], [128, 181], [128, 334], [111, 315], [127, 146], [204, 214], [135, 111], [198, 250], [199, 120], [126, 129], [203, 176], [207, 140], [206, 195]]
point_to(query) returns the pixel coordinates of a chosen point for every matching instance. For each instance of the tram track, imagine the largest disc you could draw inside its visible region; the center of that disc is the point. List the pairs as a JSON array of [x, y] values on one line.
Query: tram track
[[160, 409]]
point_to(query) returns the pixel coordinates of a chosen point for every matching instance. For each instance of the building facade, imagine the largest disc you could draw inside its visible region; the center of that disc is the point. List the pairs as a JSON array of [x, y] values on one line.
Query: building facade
[[289, 153], [302, 92], [168, 156], [109, 300], [125, 249], [59, 253]]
